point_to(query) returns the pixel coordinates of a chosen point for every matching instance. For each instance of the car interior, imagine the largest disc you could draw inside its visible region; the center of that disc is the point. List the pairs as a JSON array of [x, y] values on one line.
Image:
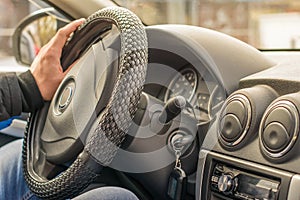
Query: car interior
[[168, 111]]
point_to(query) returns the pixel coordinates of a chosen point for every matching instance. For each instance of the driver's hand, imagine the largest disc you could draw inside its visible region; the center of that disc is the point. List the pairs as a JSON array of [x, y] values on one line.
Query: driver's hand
[[46, 68]]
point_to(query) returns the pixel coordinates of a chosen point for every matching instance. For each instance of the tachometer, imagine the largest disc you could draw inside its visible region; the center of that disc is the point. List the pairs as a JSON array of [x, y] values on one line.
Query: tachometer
[[183, 84]]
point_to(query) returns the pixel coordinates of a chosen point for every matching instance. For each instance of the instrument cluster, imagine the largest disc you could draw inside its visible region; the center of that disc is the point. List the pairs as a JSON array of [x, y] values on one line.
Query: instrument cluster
[[200, 90]]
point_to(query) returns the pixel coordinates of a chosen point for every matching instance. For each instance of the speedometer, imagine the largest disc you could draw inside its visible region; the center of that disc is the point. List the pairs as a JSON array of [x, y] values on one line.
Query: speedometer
[[183, 84]]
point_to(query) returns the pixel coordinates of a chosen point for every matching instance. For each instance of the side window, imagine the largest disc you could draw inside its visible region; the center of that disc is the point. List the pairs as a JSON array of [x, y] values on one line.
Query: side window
[[14, 11]]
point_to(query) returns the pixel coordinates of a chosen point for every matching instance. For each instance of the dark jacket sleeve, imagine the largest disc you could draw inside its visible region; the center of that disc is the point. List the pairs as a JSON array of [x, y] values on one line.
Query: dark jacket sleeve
[[18, 94]]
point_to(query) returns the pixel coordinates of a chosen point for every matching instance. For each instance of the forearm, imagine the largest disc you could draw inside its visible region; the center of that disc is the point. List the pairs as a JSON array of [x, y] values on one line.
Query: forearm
[[30, 93], [18, 94], [10, 96]]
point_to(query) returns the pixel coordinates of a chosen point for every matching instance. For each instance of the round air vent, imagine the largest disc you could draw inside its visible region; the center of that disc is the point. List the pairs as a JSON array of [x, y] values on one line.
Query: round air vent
[[241, 113], [279, 128], [234, 120]]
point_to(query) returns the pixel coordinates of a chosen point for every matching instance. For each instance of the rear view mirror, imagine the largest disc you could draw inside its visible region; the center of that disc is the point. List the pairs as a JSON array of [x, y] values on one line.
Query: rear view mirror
[[34, 32]]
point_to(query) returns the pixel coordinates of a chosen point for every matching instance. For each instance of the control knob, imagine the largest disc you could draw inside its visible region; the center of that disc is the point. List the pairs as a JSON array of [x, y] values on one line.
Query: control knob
[[226, 183]]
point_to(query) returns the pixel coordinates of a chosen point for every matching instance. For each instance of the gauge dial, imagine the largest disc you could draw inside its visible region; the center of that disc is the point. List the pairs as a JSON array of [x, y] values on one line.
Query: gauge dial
[[183, 84]]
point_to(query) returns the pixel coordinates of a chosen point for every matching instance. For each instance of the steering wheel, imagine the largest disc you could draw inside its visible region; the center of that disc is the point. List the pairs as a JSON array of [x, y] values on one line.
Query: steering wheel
[[69, 140]]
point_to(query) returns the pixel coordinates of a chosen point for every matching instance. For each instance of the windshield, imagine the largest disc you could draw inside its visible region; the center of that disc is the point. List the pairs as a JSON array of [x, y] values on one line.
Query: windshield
[[265, 24]]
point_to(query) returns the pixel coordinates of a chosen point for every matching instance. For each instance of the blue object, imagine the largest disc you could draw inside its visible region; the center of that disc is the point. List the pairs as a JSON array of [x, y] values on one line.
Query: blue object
[[7, 123]]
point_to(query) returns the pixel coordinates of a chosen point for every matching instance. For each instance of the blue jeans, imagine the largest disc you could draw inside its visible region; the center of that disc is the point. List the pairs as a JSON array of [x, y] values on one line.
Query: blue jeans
[[14, 187]]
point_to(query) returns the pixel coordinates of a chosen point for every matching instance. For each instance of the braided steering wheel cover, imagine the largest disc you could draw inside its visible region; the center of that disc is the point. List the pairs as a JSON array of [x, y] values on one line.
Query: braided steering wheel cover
[[104, 142]]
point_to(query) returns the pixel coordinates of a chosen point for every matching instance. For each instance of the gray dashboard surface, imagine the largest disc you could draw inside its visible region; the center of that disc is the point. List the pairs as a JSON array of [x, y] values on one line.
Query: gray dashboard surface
[[284, 77]]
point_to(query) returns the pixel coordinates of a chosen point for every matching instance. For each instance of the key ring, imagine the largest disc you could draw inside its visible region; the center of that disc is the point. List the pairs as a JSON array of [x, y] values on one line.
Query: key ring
[[177, 162]]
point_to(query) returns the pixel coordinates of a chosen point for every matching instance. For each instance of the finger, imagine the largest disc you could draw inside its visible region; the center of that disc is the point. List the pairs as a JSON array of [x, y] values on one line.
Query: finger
[[63, 34]]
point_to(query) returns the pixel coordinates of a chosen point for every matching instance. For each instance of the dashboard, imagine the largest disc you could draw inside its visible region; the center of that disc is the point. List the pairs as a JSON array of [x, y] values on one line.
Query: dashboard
[[185, 61], [234, 95]]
